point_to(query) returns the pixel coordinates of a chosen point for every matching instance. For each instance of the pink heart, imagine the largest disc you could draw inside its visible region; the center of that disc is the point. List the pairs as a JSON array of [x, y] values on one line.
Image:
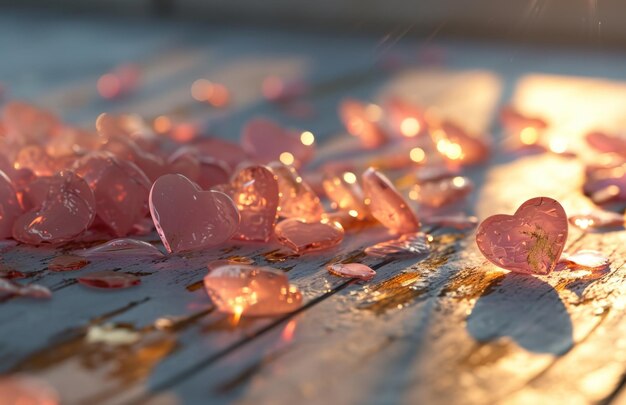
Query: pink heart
[[264, 140], [529, 241], [255, 191], [187, 218], [63, 207]]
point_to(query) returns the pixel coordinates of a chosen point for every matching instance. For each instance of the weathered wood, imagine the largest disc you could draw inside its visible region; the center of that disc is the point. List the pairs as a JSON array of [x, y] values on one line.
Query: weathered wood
[[447, 329]]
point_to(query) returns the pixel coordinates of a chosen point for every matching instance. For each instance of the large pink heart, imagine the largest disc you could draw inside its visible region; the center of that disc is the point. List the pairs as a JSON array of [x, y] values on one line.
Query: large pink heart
[[529, 241], [189, 218]]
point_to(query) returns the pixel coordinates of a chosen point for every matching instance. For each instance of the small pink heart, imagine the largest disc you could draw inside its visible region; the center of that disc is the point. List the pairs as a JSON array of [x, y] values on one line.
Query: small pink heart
[[264, 141], [187, 218], [529, 241]]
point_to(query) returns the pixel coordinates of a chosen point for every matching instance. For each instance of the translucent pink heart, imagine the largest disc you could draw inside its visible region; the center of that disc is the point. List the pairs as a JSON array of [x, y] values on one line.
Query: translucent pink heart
[[220, 149], [443, 192], [589, 259], [363, 123], [596, 220], [604, 142], [22, 389], [251, 291], [25, 123], [435, 172], [345, 194], [109, 279], [387, 205], [28, 290], [515, 120], [188, 218], [303, 237], [605, 185], [122, 247], [120, 187], [150, 164], [66, 211], [408, 245], [36, 159], [67, 263], [186, 164], [456, 144], [405, 119], [10, 208], [529, 241], [352, 270], [264, 140], [10, 273], [280, 90], [297, 199], [255, 193]]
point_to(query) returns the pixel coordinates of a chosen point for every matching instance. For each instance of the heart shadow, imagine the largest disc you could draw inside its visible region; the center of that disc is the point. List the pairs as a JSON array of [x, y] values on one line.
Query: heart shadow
[[524, 309]]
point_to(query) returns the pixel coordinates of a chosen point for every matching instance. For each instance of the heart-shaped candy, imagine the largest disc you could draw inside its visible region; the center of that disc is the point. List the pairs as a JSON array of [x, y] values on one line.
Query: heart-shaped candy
[[529, 241], [188, 218], [63, 207], [255, 192]]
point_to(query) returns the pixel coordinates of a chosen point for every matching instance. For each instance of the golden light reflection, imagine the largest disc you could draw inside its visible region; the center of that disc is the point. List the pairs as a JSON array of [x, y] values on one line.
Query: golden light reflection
[[558, 144], [289, 331], [353, 213], [237, 311], [458, 181], [286, 158], [410, 127], [529, 136], [162, 124], [349, 177], [307, 138], [417, 155]]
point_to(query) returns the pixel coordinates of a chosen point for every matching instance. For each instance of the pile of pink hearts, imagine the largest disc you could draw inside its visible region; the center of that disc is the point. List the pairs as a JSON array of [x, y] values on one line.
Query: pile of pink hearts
[[59, 183]]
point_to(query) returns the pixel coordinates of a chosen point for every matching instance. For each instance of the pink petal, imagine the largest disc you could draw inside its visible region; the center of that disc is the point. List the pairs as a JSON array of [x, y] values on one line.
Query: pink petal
[[109, 279], [529, 241], [352, 270], [187, 218], [67, 210], [67, 263], [387, 205], [251, 290], [408, 245], [297, 199], [304, 237], [362, 123]]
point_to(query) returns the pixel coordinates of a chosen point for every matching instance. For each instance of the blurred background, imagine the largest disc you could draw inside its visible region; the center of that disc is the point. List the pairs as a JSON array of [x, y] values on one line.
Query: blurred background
[[546, 21]]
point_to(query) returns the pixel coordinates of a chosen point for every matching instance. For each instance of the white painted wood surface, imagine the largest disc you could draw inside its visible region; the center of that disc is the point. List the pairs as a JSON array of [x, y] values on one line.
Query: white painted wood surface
[[448, 329]]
